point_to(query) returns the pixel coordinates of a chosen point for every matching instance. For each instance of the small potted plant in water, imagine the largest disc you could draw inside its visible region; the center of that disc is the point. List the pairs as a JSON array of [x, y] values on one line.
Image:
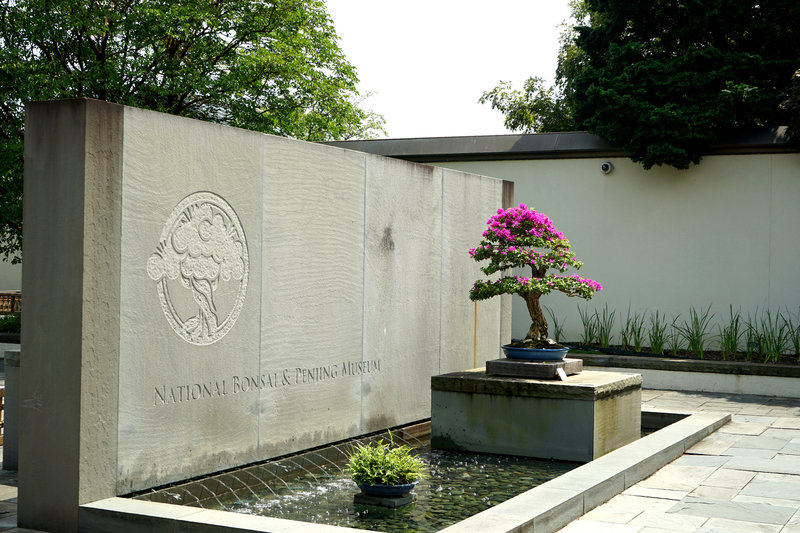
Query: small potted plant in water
[[519, 237], [384, 469]]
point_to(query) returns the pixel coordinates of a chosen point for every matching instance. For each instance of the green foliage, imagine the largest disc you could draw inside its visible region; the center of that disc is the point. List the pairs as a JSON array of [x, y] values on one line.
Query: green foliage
[[558, 324], [730, 335], [273, 67], [793, 332], [381, 463], [633, 331], [534, 109], [11, 323], [791, 109], [695, 331], [667, 79], [590, 325], [773, 336], [538, 108], [605, 323], [657, 333]]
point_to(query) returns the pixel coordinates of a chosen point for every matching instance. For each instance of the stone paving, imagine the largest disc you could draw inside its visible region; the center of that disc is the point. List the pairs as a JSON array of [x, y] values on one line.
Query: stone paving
[[743, 478]]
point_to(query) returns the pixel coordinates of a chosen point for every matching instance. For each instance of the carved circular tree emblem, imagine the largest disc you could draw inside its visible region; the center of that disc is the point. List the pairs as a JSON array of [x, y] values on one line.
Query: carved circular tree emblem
[[202, 249]]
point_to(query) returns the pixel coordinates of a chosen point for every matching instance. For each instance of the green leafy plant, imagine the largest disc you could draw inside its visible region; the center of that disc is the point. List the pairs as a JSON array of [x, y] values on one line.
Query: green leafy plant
[[11, 323], [605, 323], [274, 67], [730, 335], [793, 331], [382, 463], [657, 333], [589, 322], [773, 337], [695, 331], [558, 324], [633, 331], [752, 336], [674, 337], [637, 331]]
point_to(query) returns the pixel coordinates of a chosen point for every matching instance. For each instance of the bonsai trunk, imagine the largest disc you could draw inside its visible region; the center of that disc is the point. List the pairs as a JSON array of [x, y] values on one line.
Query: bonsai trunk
[[538, 328]]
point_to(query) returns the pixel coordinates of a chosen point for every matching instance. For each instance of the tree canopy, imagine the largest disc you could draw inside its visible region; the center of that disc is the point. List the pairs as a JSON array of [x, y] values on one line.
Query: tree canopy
[[665, 79], [274, 67]]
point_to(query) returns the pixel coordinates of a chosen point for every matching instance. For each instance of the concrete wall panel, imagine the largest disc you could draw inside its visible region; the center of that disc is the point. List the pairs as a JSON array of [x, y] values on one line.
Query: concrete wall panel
[[71, 333], [312, 301], [186, 382], [403, 254], [466, 197], [224, 297], [666, 239]]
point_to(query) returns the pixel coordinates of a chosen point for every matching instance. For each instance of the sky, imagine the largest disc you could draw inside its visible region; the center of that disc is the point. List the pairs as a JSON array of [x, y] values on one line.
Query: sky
[[428, 62]]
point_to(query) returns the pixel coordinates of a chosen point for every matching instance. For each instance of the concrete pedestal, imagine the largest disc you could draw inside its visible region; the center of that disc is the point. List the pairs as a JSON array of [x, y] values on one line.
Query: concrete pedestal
[[391, 503], [589, 415], [514, 368]]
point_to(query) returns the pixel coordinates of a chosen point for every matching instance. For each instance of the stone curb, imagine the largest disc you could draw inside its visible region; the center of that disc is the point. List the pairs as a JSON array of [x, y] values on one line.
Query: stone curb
[[689, 365], [554, 504], [545, 508]]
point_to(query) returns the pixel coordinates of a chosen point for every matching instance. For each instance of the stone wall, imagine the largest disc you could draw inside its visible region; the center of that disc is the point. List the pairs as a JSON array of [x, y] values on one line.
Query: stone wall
[[200, 297]]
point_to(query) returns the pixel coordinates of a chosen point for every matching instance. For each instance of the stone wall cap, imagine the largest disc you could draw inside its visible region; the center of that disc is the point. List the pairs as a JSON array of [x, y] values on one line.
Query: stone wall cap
[[587, 386]]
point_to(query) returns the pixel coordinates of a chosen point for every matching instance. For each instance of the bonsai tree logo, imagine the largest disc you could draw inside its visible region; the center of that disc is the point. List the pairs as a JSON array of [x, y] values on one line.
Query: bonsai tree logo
[[202, 249], [519, 237]]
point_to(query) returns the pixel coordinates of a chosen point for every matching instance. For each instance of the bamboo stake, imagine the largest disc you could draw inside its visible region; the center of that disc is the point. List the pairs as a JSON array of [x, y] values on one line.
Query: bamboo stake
[[475, 339]]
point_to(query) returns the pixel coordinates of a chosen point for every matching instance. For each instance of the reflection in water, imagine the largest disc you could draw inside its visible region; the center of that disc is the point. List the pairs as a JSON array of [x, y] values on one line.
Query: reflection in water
[[312, 487]]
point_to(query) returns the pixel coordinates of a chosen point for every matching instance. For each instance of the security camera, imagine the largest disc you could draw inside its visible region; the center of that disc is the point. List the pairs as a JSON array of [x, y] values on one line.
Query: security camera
[[606, 167]]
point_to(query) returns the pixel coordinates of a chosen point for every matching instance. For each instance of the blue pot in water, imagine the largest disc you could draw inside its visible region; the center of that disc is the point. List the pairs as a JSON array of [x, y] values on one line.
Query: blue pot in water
[[535, 354], [387, 491]]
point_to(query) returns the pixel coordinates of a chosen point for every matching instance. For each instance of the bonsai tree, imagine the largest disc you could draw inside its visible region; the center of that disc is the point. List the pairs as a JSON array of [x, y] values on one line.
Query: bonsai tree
[[519, 237]]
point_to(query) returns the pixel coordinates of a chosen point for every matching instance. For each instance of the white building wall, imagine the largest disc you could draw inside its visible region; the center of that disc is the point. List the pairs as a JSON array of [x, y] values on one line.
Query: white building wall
[[724, 232]]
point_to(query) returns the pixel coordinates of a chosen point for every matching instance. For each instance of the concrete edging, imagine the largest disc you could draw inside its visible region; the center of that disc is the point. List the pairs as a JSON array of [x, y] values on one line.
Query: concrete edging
[[554, 504], [545, 508], [778, 386]]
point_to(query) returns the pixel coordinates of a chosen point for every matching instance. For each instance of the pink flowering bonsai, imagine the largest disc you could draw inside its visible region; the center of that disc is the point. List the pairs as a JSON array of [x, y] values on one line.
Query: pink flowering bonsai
[[519, 237]]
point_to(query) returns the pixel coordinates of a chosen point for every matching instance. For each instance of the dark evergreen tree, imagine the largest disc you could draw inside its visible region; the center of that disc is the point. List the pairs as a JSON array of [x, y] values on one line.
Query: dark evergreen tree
[[668, 78]]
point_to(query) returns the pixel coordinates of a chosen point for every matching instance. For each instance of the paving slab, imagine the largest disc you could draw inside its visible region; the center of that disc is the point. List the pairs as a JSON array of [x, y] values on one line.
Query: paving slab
[[769, 500], [743, 428], [714, 493], [678, 477], [660, 494], [762, 442], [782, 433], [793, 526], [755, 419], [757, 464], [715, 444], [669, 521], [786, 487], [733, 451], [701, 460], [793, 447], [724, 525], [784, 422], [592, 526], [727, 478], [754, 466], [748, 512]]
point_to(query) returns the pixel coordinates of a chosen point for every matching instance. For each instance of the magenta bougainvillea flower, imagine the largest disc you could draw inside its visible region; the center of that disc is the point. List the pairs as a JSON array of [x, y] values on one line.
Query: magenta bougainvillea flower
[[520, 237]]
